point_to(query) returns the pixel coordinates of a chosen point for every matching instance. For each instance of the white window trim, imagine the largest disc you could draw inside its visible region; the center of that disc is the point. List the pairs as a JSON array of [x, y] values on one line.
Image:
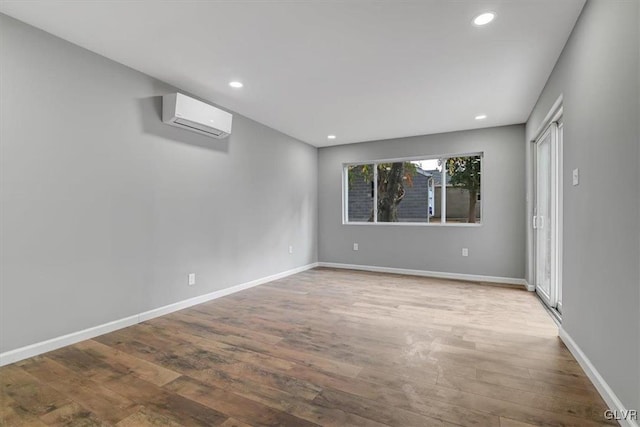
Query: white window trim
[[443, 201]]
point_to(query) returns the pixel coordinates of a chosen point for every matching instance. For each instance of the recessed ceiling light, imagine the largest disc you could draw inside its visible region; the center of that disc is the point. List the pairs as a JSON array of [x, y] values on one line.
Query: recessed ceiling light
[[236, 84], [484, 18], [481, 117], [331, 137]]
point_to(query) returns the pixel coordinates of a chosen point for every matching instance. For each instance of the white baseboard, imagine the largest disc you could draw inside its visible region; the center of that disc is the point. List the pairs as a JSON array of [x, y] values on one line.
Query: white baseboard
[[601, 385], [530, 287], [22, 353], [425, 273], [181, 305]]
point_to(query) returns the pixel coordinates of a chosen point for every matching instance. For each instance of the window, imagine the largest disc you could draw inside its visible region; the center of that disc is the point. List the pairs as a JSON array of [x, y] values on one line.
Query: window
[[412, 191], [360, 193]]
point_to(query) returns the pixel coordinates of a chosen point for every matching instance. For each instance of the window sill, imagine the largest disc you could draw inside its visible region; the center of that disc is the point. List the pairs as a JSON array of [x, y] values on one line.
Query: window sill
[[418, 224]]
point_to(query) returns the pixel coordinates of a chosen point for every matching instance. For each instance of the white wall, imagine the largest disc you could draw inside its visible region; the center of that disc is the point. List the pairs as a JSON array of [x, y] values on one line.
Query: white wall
[[496, 248], [598, 76], [105, 210]]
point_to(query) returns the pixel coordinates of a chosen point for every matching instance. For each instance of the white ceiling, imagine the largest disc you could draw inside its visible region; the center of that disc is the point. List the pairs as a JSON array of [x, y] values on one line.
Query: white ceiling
[[362, 70]]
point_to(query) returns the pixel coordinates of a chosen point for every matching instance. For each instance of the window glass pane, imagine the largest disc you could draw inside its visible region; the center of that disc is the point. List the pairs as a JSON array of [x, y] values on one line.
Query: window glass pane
[[406, 191], [412, 191], [360, 193], [463, 201]]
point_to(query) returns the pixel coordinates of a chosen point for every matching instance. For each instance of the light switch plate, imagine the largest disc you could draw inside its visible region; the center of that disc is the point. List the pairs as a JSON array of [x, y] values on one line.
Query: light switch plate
[[192, 279], [576, 176]]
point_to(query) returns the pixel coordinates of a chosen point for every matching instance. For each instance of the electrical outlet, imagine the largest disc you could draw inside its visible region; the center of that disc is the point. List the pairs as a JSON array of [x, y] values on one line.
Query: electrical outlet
[[465, 251], [290, 249], [576, 176], [355, 246], [192, 279]]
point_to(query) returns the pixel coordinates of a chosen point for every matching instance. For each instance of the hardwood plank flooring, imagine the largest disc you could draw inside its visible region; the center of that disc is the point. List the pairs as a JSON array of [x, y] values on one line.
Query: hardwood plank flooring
[[324, 347]]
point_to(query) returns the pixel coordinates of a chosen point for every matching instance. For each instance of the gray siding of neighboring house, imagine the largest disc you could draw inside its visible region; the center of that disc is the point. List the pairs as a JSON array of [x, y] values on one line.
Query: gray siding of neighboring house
[[360, 198], [414, 207]]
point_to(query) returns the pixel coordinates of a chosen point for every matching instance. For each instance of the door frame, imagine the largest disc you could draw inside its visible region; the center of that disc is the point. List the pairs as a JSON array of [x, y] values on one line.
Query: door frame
[[559, 211], [555, 115]]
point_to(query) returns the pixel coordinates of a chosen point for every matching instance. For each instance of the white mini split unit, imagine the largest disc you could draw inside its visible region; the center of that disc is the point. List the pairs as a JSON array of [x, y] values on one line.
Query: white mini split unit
[[187, 113]]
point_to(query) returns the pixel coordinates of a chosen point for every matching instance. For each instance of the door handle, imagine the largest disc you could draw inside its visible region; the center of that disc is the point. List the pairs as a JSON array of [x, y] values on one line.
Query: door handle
[[533, 222]]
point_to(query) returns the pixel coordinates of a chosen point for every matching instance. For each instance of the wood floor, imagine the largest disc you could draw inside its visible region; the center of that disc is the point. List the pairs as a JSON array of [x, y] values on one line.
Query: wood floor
[[324, 347]]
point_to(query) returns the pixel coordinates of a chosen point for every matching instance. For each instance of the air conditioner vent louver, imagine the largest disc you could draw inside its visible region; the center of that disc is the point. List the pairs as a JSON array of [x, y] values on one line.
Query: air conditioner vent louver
[[190, 114], [198, 127]]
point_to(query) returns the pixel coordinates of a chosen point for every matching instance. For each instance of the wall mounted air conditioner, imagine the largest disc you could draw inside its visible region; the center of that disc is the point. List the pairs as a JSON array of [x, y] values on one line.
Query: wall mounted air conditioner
[[187, 113]]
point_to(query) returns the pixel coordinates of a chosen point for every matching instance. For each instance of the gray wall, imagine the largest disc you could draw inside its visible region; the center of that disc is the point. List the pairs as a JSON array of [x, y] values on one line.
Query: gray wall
[[105, 210], [597, 74], [433, 247]]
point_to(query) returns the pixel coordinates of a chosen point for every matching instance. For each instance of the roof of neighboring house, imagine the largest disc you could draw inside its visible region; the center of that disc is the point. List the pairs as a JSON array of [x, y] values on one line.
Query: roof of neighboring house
[[423, 172], [436, 174]]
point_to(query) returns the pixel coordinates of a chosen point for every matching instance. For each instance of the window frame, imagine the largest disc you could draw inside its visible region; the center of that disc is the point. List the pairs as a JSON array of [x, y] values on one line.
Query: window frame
[[443, 201]]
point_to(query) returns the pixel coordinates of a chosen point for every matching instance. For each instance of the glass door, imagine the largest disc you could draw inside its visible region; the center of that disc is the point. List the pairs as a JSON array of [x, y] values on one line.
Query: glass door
[[545, 216]]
